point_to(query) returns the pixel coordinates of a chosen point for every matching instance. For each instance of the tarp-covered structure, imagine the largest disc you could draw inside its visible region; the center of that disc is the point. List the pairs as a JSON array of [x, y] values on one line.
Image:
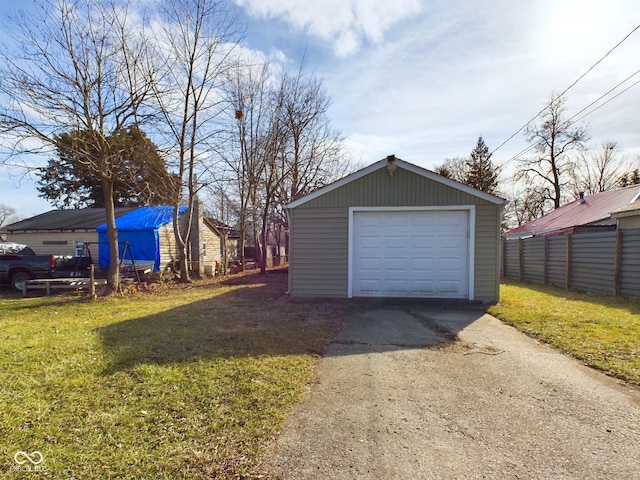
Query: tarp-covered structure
[[138, 230]]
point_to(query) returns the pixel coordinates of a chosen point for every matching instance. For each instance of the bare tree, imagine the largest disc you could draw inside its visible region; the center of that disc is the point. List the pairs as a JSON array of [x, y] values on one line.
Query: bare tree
[[312, 153], [551, 168], [249, 94], [7, 214], [196, 42], [601, 170], [530, 204], [76, 66], [284, 147], [454, 168]]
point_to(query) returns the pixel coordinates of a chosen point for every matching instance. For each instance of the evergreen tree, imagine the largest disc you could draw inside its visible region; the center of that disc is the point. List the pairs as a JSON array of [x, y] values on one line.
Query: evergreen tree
[[481, 173], [69, 179]]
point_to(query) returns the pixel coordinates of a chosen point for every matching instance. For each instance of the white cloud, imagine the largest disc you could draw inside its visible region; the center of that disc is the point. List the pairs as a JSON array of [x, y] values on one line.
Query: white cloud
[[457, 71], [344, 23]]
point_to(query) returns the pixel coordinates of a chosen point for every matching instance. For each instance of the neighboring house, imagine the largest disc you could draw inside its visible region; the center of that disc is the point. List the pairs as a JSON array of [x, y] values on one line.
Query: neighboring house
[[148, 231], [628, 217], [394, 229], [601, 211], [60, 232]]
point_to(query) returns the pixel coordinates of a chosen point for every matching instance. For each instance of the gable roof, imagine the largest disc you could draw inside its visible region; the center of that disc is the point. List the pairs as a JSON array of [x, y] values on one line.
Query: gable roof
[[61, 220], [401, 164], [593, 210]]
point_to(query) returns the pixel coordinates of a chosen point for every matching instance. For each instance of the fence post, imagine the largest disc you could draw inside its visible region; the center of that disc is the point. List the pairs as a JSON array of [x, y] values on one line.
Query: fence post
[[520, 260], [503, 270], [92, 281], [546, 260], [568, 264], [617, 263]]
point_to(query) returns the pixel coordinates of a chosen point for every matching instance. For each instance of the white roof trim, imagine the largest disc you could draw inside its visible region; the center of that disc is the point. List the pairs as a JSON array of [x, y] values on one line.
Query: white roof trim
[[406, 166]]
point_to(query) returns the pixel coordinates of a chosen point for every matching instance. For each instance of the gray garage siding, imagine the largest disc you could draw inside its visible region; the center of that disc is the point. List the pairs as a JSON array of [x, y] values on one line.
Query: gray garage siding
[[404, 189], [318, 252], [487, 253]]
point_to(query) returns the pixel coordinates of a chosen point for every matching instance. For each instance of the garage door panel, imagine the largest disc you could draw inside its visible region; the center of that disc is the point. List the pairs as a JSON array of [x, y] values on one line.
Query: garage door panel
[[370, 242], [410, 254]]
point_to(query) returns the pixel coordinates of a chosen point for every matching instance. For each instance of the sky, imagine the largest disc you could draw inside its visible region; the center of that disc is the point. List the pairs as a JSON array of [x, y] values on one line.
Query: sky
[[423, 79]]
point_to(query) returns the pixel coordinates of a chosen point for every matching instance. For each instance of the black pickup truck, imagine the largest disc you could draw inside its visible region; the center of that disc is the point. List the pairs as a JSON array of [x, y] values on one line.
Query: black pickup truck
[[19, 263]]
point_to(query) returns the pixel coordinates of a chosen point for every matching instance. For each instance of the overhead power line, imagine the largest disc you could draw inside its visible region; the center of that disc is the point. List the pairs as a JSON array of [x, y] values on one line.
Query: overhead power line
[[573, 119], [569, 88]]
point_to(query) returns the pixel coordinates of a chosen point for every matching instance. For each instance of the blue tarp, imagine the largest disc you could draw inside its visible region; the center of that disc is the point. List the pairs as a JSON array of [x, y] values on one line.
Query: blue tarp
[[140, 230]]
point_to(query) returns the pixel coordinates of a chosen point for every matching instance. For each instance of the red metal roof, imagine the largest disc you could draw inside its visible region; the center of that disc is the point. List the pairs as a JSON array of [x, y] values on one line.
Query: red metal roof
[[595, 209]]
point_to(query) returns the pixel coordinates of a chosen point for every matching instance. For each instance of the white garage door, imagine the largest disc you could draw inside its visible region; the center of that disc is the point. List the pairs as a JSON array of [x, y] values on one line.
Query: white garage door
[[410, 254]]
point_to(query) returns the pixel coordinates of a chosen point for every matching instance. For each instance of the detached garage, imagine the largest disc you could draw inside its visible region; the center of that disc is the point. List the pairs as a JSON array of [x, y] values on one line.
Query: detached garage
[[395, 230]]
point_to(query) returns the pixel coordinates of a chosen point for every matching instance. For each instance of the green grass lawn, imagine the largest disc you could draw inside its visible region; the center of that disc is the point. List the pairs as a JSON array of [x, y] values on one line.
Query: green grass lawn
[[601, 331], [187, 383]]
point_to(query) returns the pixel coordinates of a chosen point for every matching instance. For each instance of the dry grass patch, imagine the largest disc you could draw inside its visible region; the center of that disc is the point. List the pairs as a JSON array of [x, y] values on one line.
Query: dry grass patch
[[186, 383], [602, 331]]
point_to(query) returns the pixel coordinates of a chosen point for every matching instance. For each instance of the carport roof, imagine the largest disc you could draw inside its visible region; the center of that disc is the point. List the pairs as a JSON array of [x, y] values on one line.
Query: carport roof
[[391, 159], [65, 220]]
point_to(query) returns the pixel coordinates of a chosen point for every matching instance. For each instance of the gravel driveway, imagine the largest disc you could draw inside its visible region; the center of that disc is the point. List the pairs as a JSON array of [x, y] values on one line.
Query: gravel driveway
[[426, 391]]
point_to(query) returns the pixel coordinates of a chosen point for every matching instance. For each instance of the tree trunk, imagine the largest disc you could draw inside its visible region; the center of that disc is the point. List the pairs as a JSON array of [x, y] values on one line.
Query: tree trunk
[[113, 275], [181, 245], [263, 242]]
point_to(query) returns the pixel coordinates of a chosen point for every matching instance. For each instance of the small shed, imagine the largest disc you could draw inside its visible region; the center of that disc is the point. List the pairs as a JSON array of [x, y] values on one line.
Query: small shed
[[394, 229]]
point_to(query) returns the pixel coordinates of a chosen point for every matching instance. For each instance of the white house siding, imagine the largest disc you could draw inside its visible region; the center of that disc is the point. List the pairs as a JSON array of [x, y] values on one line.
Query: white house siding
[[168, 246], [210, 248], [169, 249], [55, 243]]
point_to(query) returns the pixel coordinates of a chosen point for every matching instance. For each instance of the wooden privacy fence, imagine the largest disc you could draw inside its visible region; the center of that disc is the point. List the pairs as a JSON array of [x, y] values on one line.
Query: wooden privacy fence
[[598, 262]]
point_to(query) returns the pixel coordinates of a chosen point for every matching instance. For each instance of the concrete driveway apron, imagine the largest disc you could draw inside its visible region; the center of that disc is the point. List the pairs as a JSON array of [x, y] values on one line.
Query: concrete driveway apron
[[419, 391]]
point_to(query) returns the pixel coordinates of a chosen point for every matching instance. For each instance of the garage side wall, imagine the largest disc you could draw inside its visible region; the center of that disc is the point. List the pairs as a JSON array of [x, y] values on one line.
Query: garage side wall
[[487, 253], [318, 252]]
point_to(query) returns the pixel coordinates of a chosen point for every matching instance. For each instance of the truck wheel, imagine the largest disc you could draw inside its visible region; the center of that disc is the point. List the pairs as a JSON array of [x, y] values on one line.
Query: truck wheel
[[18, 279]]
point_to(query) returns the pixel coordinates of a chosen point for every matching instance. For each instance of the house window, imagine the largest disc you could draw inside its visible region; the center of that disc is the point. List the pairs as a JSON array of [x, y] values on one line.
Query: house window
[[204, 249]]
